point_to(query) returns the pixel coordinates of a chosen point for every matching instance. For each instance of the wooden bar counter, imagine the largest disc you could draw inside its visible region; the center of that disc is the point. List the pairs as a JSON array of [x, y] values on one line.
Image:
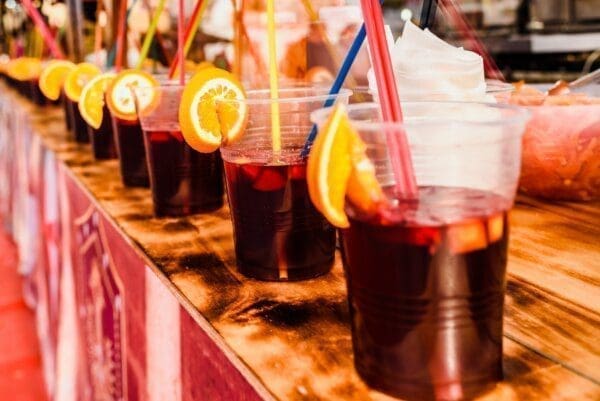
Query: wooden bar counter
[[292, 340]]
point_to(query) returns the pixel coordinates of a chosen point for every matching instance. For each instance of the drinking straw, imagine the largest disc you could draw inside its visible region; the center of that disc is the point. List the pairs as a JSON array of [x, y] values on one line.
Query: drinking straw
[[428, 13], [150, 33], [338, 82], [190, 31], [273, 77], [38, 20], [121, 32], [240, 36], [388, 98], [110, 59], [454, 13], [98, 33], [180, 42]]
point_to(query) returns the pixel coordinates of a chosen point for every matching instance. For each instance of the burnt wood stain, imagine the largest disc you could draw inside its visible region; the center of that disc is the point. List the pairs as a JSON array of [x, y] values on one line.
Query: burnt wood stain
[[295, 337]]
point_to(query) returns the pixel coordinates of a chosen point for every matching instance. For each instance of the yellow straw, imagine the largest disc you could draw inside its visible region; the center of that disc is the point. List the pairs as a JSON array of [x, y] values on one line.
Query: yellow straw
[[275, 124], [312, 14], [150, 34]]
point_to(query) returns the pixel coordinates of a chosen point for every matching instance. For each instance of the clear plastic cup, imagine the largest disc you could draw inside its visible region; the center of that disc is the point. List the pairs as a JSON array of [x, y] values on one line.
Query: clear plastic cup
[[183, 181], [278, 234], [426, 278], [129, 140]]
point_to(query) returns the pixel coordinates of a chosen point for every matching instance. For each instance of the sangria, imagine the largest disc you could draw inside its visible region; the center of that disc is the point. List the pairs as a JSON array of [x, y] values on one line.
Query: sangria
[[426, 272], [132, 154], [103, 141], [183, 181], [426, 282], [278, 231]]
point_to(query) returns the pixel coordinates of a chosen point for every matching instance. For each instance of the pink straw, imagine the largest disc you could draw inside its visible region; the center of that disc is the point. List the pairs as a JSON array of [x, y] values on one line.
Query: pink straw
[[388, 98], [38, 20], [181, 44], [454, 13], [121, 31]]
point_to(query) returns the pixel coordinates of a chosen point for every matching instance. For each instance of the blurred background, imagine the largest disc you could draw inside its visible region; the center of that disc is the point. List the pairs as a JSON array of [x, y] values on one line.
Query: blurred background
[[532, 40]]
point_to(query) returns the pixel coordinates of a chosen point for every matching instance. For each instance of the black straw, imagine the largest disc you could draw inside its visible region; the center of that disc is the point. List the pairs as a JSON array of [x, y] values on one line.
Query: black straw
[[428, 13]]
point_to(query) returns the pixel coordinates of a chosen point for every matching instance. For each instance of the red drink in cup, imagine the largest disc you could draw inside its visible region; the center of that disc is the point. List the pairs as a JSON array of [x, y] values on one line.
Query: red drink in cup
[[132, 154], [68, 110], [127, 130], [426, 276], [278, 233], [36, 94], [78, 125], [428, 323], [183, 181], [103, 140]]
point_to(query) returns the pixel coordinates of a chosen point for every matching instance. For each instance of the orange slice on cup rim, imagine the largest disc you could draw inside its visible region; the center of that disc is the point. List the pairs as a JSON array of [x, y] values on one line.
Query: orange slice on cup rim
[[24, 68], [53, 77], [119, 95], [338, 168], [77, 78], [91, 101], [206, 123]]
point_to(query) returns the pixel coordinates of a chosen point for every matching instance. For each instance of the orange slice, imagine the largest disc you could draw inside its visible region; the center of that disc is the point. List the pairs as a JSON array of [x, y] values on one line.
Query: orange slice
[[204, 122], [53, 77], [495, 228], [467, 237], [338, 167], [78, 77], [364, 191], [91, 101], [204, 64], [119, 97], [24, 68]]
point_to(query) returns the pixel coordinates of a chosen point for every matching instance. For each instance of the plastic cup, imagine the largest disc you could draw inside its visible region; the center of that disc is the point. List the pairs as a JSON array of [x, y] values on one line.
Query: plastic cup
[[183, 181], [278, 234], [131, 151], [426, 278], [102, 138], [35, 93], [67, 109], [79, 127]]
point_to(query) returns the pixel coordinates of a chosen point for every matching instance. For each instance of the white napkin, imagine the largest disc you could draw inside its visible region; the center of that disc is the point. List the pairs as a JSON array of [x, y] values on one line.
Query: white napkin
[[427, 68]]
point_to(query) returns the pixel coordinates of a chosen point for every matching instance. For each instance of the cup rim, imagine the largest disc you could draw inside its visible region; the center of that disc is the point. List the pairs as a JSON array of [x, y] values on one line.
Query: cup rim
[[492, 87], [161, 86], [325, 96], [520, 115]]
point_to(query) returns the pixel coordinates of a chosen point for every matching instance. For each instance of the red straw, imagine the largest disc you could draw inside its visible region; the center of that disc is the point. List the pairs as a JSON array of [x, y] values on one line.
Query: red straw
[[190, 30], [454, 13], [388, 98], [38, 20], [122, 29], [181, 39]]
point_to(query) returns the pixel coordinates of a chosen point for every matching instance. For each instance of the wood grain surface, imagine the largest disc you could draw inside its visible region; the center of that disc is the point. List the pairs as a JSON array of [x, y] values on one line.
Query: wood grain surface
[[295, 337]]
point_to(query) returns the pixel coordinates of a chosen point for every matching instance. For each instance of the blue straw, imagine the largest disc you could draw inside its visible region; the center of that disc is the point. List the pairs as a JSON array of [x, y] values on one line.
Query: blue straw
[[339, 82]]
